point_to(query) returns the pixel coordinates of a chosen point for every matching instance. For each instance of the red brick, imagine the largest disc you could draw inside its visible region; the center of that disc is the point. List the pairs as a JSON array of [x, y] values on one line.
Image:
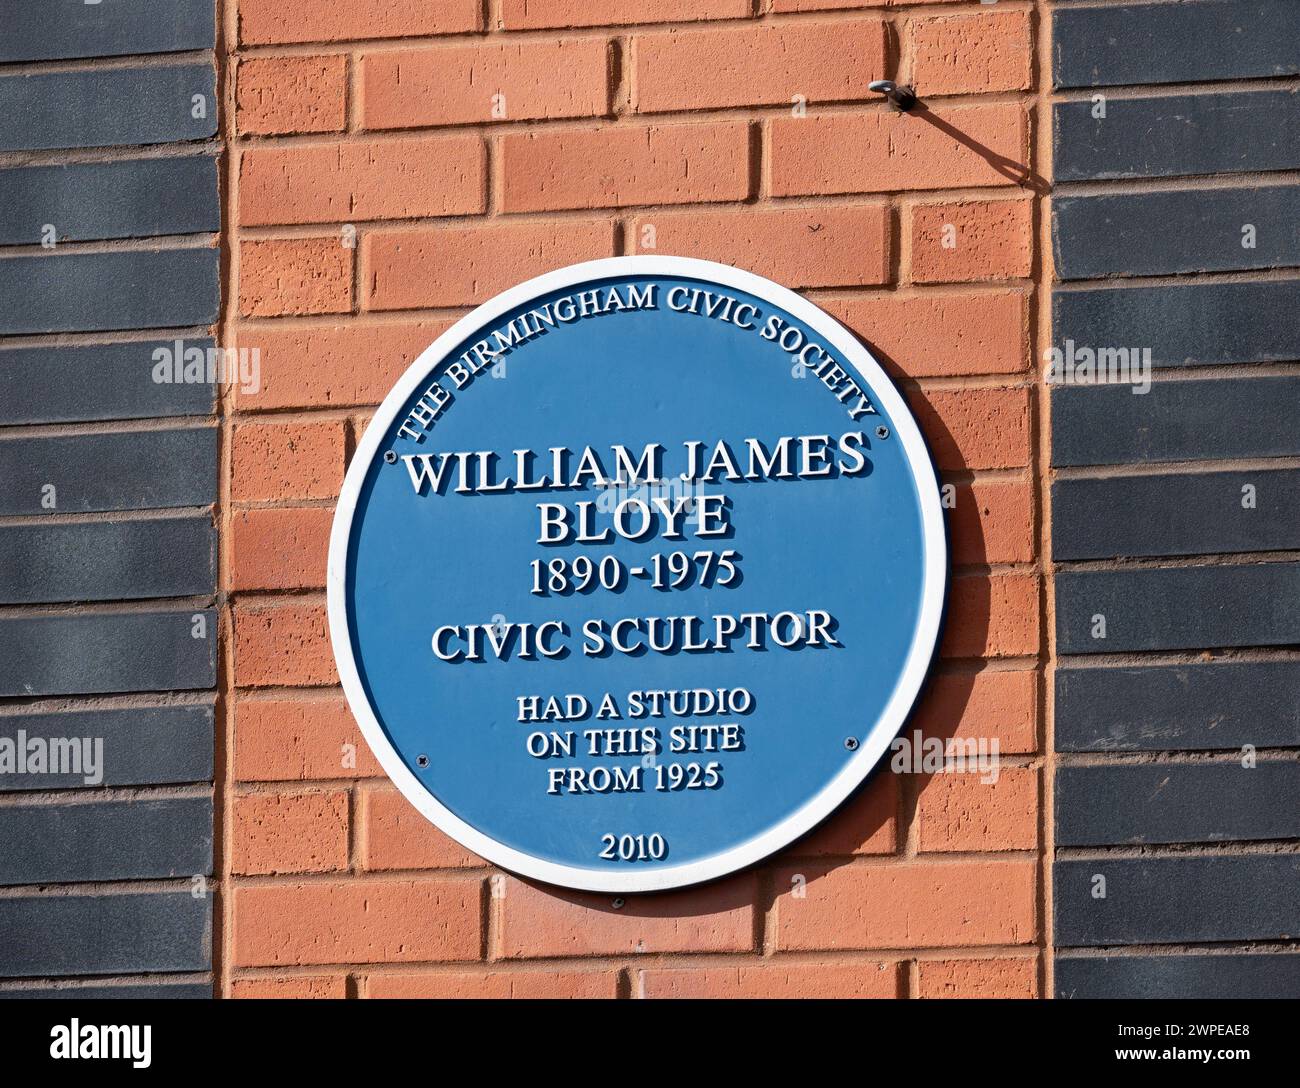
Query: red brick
[[1004, 978], [971, 240], [282, 276], [883, 150], [757, 64], [797, 247], [283, 21], [290, 832], [992, 521], [959, 811], [543, 921], [329, 366], [299, 986], [867, 823], [396, 836], [278, 95], [280, 548], [295, 740], [625, 165], [533, 14], [276, 461], [915, 905], [282, 645], [940, 334], [410, 177], [992, 616], [361, 423], [460, 84], [967, 54], [827, 5], [1001, 704], [357, 921], [975, 428], [455, 266], [774, 981], [520, 985]]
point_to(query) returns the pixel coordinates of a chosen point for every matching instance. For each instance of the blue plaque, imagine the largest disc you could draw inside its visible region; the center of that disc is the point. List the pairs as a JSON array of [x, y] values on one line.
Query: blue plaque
[[636, 573]]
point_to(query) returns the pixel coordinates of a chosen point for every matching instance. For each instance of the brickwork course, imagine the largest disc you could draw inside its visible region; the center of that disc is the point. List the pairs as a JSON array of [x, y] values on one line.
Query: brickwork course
[[110, 220], [365, 174]]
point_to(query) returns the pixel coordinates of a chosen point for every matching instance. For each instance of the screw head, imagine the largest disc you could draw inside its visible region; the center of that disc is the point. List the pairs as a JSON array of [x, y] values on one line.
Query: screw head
[[901, 98], [618, 904], [882, 432], [390, 456], [421, 761], [851, 743]]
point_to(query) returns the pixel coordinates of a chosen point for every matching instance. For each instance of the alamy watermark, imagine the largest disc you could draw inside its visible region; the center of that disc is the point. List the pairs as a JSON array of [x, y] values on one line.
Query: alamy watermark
[[179, 363], [673, 497], [919, 754], [113, 1042], [83, 756], [1077, 364]]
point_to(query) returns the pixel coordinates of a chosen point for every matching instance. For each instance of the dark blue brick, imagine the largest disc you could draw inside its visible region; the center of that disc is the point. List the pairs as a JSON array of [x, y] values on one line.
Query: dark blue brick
[[1221, 705], [1193, 513], [1175, 421], [1175, 43], [58, 29], [1134, 804], [1178, 608], [1242, 897], [91, 292], [103, 560], [1191, 230], [139, 198], [121, 470], [140, 746], [1236, 977], [115, 840], [106, 107], [50, 936], [153, 990], [107, 652], [1211, 133], [95, 382], [1186, 325]]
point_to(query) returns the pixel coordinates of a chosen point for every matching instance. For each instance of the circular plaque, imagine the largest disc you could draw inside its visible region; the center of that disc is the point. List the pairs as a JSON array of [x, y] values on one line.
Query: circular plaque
[[636, 573]]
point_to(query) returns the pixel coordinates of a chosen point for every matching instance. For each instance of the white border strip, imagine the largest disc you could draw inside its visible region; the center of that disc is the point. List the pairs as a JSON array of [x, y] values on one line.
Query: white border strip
[[887, 726]]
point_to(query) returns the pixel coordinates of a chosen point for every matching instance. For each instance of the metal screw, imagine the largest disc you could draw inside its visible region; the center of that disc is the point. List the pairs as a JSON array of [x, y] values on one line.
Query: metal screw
[[882, 432], [901, 98], [390, 456], [618, 904], [421, 761], [851, 743]]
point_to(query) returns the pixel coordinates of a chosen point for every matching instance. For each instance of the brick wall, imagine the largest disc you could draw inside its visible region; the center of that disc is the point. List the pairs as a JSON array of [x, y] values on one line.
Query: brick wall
[[361, 175], [396, 164], [1174, 525], [109, 220]]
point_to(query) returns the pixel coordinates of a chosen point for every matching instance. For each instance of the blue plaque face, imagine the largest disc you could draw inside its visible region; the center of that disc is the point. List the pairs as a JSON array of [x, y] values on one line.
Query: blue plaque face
[[636, 573]]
